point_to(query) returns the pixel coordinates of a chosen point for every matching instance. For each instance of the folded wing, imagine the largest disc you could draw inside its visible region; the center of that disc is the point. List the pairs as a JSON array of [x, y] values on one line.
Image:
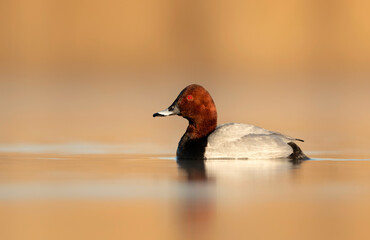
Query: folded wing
[[235, 140]]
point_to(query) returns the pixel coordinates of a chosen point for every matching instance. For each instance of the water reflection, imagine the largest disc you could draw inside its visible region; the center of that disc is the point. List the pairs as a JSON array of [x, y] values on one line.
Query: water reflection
[[196, 212], [195, 170]]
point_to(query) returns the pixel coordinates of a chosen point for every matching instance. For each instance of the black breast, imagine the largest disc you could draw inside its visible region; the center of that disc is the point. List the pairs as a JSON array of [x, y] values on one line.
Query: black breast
[[191, 148]]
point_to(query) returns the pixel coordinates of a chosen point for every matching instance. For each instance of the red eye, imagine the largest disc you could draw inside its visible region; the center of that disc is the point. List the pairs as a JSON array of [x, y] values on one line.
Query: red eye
[[189, 97]]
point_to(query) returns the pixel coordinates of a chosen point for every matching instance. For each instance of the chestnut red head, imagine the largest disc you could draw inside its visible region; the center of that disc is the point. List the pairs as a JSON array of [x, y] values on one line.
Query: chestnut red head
[[193, 103]]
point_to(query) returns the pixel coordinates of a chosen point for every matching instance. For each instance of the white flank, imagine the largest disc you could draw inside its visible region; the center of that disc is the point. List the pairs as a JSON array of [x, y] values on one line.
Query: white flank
[[235, 140]]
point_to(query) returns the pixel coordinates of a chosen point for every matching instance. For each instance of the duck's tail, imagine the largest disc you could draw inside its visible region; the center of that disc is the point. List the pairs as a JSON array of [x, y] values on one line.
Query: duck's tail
[[297, 154]]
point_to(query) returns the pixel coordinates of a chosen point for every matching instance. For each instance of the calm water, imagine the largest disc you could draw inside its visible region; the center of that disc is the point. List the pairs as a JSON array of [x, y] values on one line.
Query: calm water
[[122, 196]]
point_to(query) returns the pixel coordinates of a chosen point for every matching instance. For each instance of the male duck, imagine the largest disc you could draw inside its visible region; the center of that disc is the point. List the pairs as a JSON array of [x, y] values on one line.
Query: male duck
[[204, 140]]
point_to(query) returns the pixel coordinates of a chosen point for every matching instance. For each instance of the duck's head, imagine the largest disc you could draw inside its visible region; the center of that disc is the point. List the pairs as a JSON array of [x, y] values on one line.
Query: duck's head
[[193, 103]]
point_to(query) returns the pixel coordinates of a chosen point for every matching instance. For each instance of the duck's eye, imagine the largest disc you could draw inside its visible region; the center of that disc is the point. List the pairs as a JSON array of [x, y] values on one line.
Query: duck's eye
[[189, 97]]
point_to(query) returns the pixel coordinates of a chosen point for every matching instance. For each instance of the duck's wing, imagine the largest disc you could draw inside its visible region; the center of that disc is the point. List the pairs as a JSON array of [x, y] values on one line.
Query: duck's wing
[[235, 140]]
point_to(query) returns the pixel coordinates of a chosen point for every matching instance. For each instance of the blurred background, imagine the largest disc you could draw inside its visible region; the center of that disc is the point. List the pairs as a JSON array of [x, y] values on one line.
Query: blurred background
[[95, 71], [86, 76]]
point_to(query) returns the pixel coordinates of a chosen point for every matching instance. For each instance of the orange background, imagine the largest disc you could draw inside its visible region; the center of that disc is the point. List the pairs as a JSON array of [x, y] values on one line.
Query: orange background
[[95, 71]]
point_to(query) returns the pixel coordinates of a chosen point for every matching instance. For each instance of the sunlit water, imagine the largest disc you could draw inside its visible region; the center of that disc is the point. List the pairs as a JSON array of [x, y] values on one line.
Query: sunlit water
[[85, 194]]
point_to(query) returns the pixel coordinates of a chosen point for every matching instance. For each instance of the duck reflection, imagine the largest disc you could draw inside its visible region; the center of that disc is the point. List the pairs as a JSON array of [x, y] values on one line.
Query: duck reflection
[[195, 170], [197, 208]]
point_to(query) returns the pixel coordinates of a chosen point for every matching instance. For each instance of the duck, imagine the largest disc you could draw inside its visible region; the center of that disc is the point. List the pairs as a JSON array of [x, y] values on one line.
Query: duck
[[203, 139]]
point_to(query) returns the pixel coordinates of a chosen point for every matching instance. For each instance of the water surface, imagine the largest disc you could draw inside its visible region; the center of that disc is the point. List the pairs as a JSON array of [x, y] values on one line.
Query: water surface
[[136, 196]]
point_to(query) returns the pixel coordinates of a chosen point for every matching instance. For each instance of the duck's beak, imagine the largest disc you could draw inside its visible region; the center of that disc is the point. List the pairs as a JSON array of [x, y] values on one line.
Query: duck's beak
[[163, 113], [172, 110]]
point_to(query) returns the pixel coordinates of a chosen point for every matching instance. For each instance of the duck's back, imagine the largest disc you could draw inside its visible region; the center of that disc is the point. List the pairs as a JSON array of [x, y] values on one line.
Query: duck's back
[[235, 140]]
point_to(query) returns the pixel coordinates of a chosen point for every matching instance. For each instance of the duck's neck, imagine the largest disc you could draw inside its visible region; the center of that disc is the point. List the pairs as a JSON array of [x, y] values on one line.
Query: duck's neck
[[193, 143], [201, 128]]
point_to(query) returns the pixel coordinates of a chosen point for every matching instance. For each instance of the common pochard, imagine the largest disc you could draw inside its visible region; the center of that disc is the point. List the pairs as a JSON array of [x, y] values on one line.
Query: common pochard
[[203, 139]]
